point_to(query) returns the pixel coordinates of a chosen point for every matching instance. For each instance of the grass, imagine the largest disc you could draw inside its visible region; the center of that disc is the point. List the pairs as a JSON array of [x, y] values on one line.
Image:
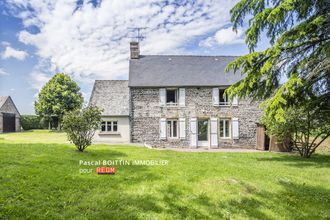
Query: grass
[[40, 179]]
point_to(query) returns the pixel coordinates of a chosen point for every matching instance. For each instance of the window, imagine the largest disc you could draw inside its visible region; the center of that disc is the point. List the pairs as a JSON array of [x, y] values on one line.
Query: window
[[225, 128], [103, 126], [109, 126], [115, 126], [223, 98], [172, 128], [171, 96]]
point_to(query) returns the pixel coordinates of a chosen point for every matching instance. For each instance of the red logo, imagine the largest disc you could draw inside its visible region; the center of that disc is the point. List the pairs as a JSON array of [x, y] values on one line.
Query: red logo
[[105, 170]]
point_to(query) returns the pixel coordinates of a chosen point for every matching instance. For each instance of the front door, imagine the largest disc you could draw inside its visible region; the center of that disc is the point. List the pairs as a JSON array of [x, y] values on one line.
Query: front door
[[8, 122], [203, 131]]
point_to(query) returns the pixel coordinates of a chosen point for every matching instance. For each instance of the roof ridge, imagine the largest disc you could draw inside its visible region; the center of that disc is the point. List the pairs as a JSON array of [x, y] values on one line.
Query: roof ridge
[[111, 80], [188, 55]]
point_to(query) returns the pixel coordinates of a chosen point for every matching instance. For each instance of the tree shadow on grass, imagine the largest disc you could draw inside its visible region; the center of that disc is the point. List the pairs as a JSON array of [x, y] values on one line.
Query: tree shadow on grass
[[317, 160], [124, 205], [296, 201], [172, 194]]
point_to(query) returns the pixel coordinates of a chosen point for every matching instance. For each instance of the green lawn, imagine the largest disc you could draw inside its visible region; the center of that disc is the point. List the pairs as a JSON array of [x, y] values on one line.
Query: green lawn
[[40, 179]]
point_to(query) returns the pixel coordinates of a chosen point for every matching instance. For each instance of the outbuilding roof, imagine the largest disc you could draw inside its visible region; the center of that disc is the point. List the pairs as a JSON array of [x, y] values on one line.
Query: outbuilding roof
[[171, 70], [112, 96], [10, 107], [3, 99]]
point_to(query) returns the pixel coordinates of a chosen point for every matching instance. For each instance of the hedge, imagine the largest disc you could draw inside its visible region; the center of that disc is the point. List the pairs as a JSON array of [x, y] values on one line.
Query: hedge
[[29, 122]]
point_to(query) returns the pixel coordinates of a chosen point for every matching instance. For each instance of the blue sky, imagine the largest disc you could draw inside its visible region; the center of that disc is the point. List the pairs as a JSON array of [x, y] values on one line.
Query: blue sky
[[90, 39]]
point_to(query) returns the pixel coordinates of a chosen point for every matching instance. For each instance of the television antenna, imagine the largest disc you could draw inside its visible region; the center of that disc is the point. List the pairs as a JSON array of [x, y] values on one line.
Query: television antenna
[[138, 30]]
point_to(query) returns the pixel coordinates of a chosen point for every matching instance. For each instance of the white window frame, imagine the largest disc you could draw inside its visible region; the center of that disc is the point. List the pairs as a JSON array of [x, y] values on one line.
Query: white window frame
[[111, 123], [172, 104], [226, 102], [171, 130], [222, 120]]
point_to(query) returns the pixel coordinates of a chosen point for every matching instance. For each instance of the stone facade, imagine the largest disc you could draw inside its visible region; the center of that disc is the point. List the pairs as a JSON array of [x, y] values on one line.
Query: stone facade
[[146, 112]]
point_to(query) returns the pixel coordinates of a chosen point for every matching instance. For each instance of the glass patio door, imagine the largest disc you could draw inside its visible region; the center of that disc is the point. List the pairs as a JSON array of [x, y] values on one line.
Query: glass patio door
[[203, 131]]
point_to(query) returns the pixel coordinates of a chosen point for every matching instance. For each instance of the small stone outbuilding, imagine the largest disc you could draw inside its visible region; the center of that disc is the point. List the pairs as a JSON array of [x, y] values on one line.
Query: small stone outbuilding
[[9, 115], [112, 96]]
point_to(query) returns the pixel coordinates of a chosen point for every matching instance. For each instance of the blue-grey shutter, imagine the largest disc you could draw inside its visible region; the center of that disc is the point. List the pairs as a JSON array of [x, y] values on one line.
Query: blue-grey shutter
[[235, 124], [215, 96], [193, 132], [162, 96], [182, 97], [214, 132], [162, 128]]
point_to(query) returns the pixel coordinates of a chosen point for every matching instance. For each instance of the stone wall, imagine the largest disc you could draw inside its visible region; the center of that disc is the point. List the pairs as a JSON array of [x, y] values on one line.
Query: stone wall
[[17, 123], [146, 113]]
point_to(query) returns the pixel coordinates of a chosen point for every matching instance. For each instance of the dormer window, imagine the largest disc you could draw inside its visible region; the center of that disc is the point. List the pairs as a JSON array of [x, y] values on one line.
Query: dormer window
[[171, 97], [223, 98]]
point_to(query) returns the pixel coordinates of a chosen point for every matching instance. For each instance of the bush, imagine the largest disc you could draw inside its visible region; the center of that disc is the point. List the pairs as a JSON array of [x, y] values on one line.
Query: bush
[[80, 126], [30, 122], [307, 128]]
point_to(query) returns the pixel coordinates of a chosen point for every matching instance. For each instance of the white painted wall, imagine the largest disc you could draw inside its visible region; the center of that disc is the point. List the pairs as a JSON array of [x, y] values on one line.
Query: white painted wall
[[122, 136]]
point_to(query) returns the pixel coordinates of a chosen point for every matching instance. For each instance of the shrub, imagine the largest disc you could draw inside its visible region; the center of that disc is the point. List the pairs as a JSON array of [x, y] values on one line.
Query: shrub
[[306, 128], [80, 126], [29, 122]]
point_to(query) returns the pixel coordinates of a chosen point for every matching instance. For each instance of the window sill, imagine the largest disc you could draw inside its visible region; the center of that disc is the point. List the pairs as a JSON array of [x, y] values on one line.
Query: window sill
[[222, 105], [172, 105], [225, 138], [109, 133]]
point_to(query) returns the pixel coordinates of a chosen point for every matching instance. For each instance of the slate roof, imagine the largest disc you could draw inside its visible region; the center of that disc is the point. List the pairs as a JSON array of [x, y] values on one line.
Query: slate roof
[[3, 99], [171, 70], [4, 108], [112, 96]]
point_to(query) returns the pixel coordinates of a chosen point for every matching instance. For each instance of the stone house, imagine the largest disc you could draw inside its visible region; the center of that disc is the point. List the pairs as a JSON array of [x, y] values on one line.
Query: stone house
[[179, 101], [9, 115]]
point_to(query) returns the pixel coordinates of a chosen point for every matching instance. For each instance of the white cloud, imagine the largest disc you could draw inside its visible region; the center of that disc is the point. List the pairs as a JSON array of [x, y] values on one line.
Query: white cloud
[[39, 75], [5, 43], [224, 36], [3, 72], [93, 42], [38, 79], [10, 52]]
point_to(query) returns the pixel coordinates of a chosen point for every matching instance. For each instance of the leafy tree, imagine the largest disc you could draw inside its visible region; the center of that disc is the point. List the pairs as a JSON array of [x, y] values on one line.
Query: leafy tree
[[299, 33], [80, 126], [60, 94]]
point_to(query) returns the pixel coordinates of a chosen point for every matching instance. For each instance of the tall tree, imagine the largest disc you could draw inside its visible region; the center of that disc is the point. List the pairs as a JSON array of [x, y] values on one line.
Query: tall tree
[[299, 33], [60, 94]]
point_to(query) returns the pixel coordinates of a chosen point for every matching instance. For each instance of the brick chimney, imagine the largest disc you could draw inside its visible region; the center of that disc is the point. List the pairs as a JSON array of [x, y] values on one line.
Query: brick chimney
[[135, 50]]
